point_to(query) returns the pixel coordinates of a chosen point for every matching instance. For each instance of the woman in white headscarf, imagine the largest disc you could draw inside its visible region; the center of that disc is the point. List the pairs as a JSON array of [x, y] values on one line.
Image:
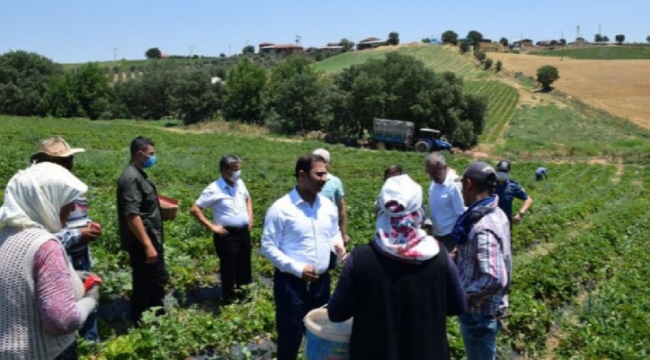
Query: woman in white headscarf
[[42, 298], [401, 287]]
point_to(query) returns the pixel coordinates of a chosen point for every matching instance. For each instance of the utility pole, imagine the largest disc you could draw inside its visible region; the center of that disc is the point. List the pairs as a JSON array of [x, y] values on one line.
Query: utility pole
[[114, 54], [191, 50], [298, 40], [562, 41], [577, 32], [229, 53]]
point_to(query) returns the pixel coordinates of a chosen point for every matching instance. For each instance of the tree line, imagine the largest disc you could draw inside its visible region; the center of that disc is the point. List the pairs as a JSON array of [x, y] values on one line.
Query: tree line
[[289, 98]]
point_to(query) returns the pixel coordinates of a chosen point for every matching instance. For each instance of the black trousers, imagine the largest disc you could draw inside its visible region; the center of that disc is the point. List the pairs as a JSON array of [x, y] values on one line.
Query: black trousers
[[149, 281], [293, 300], [234, 252]]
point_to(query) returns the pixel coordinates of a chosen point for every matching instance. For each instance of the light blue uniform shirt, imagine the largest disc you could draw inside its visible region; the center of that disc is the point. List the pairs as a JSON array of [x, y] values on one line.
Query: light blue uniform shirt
[[333, 189]]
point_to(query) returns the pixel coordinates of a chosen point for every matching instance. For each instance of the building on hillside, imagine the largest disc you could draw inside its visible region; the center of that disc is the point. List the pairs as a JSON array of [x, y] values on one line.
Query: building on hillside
[[264, 44], [370, 43], [522, 43], [281, 49]]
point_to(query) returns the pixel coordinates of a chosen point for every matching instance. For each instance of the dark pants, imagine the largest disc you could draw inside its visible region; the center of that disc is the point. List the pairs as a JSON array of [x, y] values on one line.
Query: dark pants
[[293, 300], [149, 282], [234, 252], [70, 353], [448, 240]]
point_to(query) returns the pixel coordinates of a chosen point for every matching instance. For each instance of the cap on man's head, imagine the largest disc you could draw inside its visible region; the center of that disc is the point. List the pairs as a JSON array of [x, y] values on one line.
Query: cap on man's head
[[481, 172], [503, 166], [322, 153], [55, 147]]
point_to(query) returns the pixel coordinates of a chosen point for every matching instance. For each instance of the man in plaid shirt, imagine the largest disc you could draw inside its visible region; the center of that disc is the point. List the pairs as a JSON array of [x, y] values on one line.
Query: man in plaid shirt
[[483, 260]]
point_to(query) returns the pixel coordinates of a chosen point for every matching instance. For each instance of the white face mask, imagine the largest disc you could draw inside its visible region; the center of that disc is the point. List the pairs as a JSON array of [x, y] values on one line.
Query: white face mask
[[502, 175], [235, 176]]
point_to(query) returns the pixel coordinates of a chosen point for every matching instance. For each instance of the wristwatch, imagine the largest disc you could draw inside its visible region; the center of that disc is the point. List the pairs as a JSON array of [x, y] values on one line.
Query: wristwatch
[[521, 214]]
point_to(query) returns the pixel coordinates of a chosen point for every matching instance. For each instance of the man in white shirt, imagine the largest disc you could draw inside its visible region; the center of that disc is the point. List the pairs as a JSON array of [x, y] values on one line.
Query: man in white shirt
[[232, 210], [334, 191], [445, 198], [301, 230]]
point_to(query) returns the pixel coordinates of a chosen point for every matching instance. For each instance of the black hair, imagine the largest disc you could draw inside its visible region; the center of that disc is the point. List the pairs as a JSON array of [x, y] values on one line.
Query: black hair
[[393, 169], [228, 160], [306, 163], [140, 144]]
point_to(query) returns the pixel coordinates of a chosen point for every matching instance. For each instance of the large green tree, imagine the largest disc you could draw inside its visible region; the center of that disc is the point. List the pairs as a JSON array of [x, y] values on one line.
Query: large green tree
[[474, 37], [620, 38], [296, 97], [153, 53], [24, 78], [243, 97], [450, 37], [93, 90], [547, 75], [195, 97], [393, 38]]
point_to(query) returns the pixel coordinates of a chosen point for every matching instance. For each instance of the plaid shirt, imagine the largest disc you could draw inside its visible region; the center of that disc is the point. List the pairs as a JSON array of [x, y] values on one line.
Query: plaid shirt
[[484, 263]]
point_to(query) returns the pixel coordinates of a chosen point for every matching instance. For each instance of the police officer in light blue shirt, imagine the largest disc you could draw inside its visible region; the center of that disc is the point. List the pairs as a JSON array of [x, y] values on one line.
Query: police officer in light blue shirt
[[508, 190], [333, 190]]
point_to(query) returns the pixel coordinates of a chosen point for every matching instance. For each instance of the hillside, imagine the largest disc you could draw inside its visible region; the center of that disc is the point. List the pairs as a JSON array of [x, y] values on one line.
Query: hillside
[[601, 52]]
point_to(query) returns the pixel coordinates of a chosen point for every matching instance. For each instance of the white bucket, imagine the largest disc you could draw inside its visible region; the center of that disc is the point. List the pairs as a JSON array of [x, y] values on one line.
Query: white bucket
[[325, 339]]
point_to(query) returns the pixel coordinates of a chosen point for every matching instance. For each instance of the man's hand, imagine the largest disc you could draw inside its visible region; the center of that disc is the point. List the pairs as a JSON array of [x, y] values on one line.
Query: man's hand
[[91, 232], [516, 219], [220, 230], [346, 238], [309, 274], [151, 253], [340, 250]]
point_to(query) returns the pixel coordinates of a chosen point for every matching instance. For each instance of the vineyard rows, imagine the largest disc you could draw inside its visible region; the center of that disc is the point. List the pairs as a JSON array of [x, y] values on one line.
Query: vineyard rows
[[579, 258]]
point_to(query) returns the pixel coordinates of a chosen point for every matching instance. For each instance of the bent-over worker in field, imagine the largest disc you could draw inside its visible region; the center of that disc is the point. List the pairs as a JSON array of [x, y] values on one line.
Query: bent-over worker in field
[[484, 261], [334, 191], [232, 211], [79, 230], [541, 173], [141, 229], [445, 199], [508, 190], [301, 230], [401, 286]]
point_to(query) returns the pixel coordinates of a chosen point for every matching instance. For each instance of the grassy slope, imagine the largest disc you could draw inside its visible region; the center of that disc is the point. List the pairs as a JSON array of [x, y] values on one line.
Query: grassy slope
[[608, 52]]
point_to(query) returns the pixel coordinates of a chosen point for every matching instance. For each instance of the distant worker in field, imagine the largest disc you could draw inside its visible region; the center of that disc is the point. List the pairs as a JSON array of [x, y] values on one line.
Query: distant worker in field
[[508, 190], [232, 211], [79, 230], [400, 287], [541, 173], [333, 190], [445, 199]]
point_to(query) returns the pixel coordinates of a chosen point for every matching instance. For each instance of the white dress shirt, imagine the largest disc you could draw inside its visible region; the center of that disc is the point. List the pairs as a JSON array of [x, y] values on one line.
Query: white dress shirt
[[228, 202], [446, 204], [297, 234]]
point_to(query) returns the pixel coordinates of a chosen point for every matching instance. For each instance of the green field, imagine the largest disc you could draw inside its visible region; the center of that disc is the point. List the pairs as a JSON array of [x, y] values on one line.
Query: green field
[[605, 52], [580, 259], [437, 58], [502, 101]]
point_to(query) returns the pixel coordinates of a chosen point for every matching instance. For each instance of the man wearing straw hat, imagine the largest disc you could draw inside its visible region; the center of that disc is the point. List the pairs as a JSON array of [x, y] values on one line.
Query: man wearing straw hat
[[141, 229], [79, 230]]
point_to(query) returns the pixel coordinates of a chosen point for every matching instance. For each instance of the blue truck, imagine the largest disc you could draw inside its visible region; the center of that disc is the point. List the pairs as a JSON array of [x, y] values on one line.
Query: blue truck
[[398, 134]]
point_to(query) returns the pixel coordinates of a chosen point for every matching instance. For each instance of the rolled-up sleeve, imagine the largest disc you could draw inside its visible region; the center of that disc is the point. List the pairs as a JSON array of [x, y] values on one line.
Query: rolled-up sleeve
[[494, 276], [270, 245], [131, 195]]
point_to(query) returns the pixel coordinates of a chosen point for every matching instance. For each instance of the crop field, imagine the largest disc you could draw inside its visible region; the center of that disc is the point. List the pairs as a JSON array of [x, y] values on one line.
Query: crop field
[[604, 52], [502, 101], [436, 57], [579, 288], [619, 87]]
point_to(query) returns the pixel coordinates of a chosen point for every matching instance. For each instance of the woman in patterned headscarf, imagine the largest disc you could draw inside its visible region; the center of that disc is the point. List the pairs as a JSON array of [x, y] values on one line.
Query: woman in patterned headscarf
[[43, 299], [401, 287]]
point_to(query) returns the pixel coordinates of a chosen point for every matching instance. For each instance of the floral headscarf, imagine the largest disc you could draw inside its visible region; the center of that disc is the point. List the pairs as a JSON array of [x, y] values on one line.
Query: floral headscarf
[[399, 219]]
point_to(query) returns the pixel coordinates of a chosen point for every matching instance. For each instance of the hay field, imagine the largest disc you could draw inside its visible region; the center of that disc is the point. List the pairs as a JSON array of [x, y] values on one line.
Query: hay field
[[621, 87]]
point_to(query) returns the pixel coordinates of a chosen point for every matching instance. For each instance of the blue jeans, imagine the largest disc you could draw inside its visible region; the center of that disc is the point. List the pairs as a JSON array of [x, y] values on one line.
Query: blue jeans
[[89, 330], [479, 336]]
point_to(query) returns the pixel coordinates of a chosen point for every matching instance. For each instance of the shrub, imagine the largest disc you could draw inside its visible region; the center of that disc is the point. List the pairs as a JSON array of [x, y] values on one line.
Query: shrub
[[498, 66], [546, 75], [488, 63]]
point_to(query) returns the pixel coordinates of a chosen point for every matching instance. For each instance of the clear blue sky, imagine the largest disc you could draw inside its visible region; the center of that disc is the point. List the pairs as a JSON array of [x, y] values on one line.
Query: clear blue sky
[[89, 30]]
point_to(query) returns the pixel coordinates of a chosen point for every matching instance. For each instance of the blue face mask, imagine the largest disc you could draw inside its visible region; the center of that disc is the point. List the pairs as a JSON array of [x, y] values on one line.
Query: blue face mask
[[150, 162]]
